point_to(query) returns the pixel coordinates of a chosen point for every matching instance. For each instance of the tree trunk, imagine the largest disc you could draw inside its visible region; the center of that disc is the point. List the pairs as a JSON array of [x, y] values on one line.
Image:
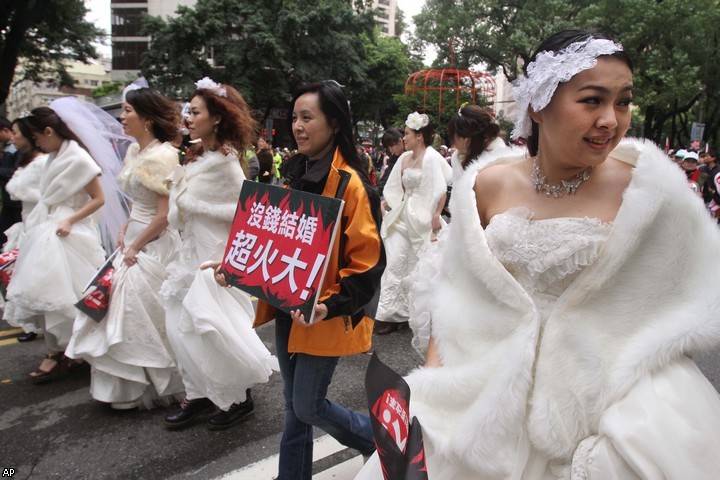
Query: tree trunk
[[21, 18]]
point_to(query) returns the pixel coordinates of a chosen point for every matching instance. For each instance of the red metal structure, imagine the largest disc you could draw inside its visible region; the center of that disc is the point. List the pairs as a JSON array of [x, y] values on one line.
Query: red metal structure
[[447, 88]]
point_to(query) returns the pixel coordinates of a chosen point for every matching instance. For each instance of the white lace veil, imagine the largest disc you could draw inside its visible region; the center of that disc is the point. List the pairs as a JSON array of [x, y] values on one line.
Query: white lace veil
[[102, 135]]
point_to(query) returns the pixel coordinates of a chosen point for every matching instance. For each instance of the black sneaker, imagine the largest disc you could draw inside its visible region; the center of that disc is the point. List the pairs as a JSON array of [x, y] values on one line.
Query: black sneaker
[[27, 337], [235, 414], [187, 410]]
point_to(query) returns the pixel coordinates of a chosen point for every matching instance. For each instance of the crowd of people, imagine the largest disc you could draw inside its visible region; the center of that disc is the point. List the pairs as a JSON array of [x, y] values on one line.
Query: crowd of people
[[557, 312]]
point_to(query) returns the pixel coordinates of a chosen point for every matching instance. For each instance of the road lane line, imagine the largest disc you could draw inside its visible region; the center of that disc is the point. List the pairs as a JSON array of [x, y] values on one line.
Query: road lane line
[[343, 471], [325, 446], [11, 332], [8, 341]]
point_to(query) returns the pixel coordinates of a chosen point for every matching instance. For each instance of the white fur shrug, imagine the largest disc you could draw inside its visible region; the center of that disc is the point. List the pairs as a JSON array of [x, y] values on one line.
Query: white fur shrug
[[150, 166], [651, 297], [208, 186]]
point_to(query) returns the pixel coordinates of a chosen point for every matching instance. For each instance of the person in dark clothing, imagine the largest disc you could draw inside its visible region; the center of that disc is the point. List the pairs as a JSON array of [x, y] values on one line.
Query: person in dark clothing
[[11, 158], [710, 190], [266, 160], [392, 140]]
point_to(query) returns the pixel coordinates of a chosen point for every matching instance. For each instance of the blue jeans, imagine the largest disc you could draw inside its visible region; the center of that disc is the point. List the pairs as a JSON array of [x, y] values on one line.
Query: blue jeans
[[305, 382]]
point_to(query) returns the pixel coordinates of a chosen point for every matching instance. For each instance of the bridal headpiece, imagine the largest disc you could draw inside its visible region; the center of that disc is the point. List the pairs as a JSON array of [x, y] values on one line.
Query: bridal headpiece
[[416, 120], [547, 71], [206, 83]]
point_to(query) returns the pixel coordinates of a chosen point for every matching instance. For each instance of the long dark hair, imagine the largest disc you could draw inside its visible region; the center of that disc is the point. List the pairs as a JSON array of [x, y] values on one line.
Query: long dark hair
[[477, 124], [157, 108], [42, 117], [555, 43], [334, 106]]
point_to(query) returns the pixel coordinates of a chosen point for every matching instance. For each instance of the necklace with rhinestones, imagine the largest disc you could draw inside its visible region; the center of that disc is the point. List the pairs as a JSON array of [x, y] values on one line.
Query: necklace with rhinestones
[[415, 160], [557, 190]]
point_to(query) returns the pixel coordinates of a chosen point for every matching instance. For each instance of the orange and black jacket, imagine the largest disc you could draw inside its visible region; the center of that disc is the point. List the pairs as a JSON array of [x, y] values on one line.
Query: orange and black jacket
[[355, 266]]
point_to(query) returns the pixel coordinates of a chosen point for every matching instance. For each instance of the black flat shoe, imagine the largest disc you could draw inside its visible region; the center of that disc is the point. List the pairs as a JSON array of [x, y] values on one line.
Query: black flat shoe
[[385, 328], [27, 337], [236, 413], [188, 409]]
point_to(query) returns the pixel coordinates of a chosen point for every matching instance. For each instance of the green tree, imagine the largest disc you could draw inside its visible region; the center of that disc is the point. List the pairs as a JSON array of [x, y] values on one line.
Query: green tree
[[387, 65], [43, 34], [265, 49], [672, 42]]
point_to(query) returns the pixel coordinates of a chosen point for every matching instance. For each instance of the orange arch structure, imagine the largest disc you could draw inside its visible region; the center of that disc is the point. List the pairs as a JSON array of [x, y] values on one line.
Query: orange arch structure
[[447, 88]]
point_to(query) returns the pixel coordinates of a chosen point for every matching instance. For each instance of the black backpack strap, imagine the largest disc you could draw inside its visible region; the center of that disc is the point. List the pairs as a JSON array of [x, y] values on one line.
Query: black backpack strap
[[342, 185]]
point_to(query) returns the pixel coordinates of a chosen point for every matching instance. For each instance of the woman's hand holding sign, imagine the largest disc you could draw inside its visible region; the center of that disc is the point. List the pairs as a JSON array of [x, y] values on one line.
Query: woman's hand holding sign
[[321, 312]]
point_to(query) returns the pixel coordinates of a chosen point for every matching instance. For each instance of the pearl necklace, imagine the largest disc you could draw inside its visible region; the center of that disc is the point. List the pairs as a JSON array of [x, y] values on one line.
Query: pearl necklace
[[414, 161], [569, 186]]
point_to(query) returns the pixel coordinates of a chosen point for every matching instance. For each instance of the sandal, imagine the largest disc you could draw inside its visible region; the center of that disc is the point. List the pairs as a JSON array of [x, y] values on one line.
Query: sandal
[[59, 370]]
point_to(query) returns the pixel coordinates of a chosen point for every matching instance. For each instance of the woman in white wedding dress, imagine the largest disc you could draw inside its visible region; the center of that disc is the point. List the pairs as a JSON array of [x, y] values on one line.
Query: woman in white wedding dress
[[210, 327], [132, 362], [61, 248], [25, 182], [565, 311], [25, 187], [415, 192]]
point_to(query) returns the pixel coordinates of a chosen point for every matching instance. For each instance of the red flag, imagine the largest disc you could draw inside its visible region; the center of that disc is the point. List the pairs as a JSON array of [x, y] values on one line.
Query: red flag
[[399, 441], [7, 261], [95, 301]]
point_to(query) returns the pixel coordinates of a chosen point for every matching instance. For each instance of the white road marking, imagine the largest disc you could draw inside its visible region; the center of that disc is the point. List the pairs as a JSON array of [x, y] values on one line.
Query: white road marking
[[267, 469]]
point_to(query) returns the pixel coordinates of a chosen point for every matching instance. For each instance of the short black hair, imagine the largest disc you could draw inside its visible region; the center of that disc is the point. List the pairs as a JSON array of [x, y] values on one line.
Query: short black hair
[[392, 136], [5, 123]]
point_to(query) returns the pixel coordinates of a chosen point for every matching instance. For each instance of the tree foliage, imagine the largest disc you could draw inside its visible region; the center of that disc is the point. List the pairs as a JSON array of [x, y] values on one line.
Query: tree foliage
[[673, 43], [266, 49], [108, 89], [43, 34]]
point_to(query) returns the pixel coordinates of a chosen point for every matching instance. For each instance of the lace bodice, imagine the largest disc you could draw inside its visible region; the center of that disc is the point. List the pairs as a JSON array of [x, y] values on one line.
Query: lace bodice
[[545, 256], [411, 178]]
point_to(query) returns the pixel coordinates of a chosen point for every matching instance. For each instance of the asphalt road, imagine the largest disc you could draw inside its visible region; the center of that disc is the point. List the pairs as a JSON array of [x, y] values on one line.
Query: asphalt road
[[56, 431]]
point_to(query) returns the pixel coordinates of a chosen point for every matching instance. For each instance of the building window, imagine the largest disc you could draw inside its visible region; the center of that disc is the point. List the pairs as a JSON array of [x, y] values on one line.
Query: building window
[[126, 55], [126, 22], [384, 2], [128, 1]]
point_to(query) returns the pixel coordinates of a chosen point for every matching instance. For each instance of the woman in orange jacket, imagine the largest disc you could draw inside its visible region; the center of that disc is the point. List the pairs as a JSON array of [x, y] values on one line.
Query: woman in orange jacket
[[327, 164]]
